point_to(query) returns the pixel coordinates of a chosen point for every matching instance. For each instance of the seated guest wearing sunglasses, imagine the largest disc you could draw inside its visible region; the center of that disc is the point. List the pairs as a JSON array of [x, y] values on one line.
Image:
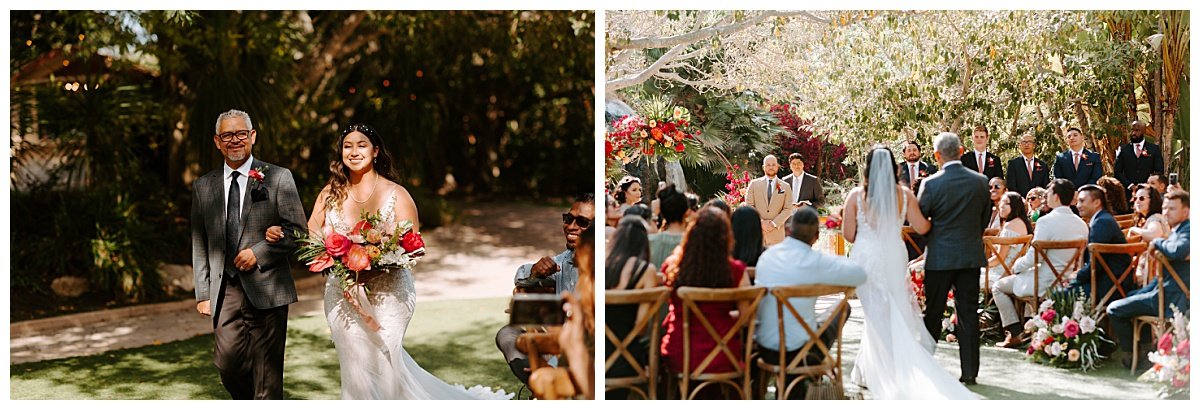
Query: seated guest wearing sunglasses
[[558, 271], [1035, 201], [996, 189]]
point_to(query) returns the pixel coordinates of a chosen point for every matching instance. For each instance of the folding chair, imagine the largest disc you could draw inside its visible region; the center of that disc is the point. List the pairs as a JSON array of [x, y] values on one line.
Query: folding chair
[[644, 373], [739, 377], [830, 363], [992, 246]]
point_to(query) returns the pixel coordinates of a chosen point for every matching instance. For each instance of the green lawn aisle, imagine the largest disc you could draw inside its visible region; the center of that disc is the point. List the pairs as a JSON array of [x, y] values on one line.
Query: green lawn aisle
[[453, 339]]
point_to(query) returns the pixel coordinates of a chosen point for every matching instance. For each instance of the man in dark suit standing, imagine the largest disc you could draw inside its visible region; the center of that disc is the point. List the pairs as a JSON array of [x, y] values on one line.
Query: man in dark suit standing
[[980, 160], [1093, 208], [956, 202], [913, 168], [1026, 171], [1076, 164], [806, 188], [242, 281], [1137, 159]]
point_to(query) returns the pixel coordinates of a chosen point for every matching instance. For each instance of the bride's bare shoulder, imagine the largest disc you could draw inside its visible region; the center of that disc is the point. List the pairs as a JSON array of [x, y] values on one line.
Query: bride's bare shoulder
[[400, 191]]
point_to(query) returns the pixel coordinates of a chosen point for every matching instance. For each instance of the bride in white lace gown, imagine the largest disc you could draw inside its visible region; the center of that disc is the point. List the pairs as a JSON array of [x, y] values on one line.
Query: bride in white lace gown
[[374, 364], [895, 358]]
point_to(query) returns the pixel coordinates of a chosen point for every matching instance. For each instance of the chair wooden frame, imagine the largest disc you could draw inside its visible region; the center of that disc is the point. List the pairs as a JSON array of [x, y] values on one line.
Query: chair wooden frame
[[831, 364], [906, 233], [1125, 224], [1097, 251], [991, 248], [653, 299], [1040, 247], [748, 298], [1126, 217], [1157, 323]]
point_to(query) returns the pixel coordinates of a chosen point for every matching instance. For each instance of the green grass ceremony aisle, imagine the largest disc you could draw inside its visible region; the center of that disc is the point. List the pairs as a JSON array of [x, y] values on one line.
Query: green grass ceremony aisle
[[460, 350]]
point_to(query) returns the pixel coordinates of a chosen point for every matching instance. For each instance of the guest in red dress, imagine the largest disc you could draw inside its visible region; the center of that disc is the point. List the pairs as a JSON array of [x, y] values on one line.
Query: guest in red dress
[[704, 261]]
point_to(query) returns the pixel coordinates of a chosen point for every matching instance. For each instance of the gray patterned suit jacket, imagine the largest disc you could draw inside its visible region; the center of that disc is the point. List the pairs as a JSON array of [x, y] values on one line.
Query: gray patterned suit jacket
[[274, 202]]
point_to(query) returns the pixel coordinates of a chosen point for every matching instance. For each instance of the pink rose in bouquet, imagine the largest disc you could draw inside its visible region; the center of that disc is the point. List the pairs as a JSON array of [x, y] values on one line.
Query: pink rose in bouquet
[[1048, 315], [322, 262], [1071, 329], [357, 259], [1164, 342], [337, 244]]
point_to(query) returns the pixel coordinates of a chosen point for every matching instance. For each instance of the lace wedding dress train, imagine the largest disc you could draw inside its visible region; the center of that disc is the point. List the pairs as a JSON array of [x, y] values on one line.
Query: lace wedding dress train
[[374, 365]]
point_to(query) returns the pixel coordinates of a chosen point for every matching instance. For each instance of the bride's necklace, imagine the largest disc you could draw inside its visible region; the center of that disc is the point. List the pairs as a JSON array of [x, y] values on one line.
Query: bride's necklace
[[350, 192]]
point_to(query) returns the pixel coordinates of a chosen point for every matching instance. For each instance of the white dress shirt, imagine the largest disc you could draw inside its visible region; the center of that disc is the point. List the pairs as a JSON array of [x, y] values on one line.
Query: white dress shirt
[[243, 181], [792, 263]]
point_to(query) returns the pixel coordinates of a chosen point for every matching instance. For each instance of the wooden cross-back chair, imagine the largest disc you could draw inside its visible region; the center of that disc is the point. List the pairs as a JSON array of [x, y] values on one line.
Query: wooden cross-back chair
[[645, 374], [1158, 323], [830, 363], [748, 299], [992, 246], [1061, 273], [1100, 267]]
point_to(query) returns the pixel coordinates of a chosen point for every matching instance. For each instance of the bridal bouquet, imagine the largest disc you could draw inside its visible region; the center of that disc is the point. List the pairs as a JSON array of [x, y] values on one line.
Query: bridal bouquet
[[1064, 340], [1172, 368], [372, 244]]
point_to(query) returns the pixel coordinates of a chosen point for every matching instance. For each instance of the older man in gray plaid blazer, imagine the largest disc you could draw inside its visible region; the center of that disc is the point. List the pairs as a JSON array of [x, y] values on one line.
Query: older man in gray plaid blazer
[[249, 278]]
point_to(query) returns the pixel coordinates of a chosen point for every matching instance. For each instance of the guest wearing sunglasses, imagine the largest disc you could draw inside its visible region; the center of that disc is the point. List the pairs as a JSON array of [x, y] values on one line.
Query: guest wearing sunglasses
[[558, 272], [996, 189], [1035, 201]]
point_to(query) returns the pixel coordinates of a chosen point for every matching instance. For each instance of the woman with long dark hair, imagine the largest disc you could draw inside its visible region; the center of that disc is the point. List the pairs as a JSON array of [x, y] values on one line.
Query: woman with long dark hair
[[747, 235], [368, 331], [628, 266], [629, 192], [1014, 222], [704, 261]]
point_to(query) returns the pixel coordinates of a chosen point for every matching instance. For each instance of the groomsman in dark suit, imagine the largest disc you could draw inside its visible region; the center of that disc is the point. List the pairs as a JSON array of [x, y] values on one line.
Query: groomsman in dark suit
[[1137, 159], [1076, 164], [806, 188], [1026, 171], [913, 168], [979, 159]]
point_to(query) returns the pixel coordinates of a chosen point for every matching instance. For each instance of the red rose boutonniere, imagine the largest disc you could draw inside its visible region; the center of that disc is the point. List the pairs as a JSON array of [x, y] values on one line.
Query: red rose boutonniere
[[991, 162], [258, 188]]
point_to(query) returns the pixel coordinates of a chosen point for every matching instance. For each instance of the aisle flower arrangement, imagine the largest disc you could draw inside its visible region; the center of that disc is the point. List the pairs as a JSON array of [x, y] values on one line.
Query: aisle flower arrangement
[[1172, 367], [735, 187], [1065, 340], [661, 131]]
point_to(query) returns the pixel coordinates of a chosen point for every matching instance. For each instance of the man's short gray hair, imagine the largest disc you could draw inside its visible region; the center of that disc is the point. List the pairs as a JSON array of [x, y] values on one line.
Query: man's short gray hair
[[948, 144], [233, 114], [769, 156]]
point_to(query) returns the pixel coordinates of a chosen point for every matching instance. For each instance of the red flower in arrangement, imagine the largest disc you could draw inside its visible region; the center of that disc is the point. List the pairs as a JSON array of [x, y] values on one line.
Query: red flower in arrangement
[[679, 146], [357, 258], [832, 224], [1164, 342], [360, 227], [337, 244], [412, 241]]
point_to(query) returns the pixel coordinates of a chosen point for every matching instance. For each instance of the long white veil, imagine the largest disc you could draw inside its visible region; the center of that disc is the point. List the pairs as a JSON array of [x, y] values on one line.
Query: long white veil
[[882, 206]]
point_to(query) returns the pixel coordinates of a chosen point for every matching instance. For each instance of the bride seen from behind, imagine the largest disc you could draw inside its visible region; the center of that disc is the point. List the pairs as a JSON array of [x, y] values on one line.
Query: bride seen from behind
[[368, 328], [895, 359]]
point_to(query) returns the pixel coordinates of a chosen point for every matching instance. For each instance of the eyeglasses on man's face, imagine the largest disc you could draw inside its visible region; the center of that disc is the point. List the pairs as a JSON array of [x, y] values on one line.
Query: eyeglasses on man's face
[[241, 135]]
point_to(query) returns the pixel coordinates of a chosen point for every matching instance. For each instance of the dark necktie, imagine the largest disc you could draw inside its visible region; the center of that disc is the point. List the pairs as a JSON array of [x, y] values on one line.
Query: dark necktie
[[233, 223], [770, 189]]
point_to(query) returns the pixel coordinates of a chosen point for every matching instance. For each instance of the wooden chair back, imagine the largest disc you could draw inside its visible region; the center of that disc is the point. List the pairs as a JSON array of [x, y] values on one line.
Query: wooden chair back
[[992, 246], [1100, 267], [1061, 273], [1158, 323], [748, 298], [831, 362], [652, 300], [907, 233]]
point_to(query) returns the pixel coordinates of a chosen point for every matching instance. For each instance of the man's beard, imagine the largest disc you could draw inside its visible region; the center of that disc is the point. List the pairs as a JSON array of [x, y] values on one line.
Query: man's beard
[[1137, 139]]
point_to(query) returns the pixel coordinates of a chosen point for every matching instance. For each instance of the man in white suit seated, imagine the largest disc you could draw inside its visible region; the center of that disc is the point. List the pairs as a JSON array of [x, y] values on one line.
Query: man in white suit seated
[[1059, 225]]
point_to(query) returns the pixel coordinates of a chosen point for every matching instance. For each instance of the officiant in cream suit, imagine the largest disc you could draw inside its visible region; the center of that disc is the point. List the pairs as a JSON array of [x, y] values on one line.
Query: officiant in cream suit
[[771, 197]]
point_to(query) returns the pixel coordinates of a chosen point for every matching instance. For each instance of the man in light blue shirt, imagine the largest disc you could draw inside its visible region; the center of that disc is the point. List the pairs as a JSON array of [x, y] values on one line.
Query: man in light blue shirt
[[794, 262]]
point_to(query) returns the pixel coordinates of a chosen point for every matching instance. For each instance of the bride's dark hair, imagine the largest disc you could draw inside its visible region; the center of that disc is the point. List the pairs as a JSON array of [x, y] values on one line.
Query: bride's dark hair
[[339, 173], [867, 170]]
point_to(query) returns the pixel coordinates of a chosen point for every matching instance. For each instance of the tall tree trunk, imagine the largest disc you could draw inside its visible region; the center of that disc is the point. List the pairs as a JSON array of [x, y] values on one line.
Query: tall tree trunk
[[1176, 34]]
